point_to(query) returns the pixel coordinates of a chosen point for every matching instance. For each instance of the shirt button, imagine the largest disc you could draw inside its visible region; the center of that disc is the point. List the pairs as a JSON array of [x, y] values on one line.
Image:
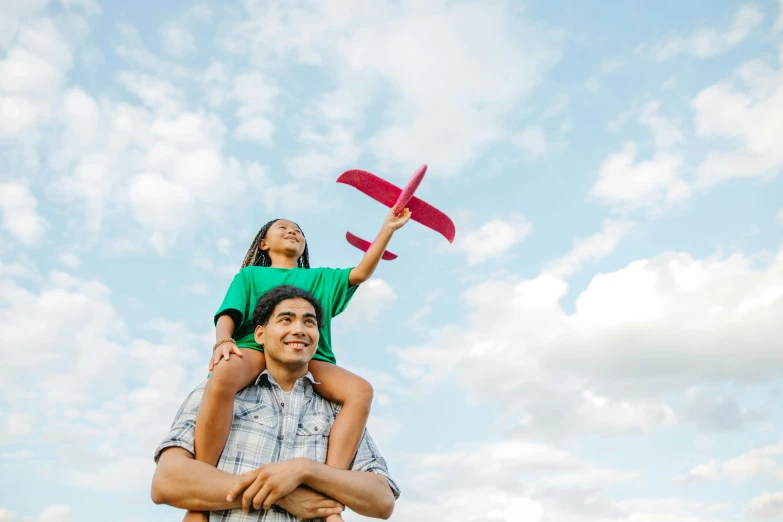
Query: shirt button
[[301, 425], [282, 404], [255, 416], [281, 437], [316, 428]]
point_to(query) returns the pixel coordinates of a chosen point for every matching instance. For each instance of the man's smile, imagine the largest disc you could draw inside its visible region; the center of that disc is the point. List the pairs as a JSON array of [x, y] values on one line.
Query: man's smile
[[297, 344]]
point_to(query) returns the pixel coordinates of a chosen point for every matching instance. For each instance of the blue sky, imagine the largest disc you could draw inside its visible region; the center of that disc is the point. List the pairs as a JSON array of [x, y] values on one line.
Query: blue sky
[[600, 343]]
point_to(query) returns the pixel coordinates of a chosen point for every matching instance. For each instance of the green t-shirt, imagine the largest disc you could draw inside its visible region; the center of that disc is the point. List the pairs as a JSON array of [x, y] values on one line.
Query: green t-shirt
[[329, 285]]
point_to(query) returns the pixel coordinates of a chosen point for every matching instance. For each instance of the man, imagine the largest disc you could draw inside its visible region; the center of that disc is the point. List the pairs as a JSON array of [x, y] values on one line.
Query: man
[[275, 454]]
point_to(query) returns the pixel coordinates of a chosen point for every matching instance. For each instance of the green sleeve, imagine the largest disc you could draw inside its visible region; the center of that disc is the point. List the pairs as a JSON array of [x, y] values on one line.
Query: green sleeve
[[341, 289], [235, 302]]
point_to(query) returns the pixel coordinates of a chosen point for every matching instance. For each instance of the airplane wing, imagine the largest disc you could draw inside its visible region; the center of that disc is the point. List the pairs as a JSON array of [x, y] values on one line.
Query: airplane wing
[[378, 189], [384, 192], [364, 245]]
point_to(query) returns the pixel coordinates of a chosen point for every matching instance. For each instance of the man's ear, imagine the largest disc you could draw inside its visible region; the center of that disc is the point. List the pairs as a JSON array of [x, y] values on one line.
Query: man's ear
[[258, 334]]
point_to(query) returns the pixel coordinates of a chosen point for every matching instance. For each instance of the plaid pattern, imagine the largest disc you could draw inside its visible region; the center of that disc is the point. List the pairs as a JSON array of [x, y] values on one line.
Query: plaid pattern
[[270, 426]]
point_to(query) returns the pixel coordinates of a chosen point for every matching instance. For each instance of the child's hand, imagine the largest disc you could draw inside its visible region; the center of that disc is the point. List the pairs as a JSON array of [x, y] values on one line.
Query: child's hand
[[396, 222], [223, 351]]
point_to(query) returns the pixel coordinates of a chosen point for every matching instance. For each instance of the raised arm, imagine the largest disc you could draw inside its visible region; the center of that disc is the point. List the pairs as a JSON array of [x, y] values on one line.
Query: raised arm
[[364, 270]]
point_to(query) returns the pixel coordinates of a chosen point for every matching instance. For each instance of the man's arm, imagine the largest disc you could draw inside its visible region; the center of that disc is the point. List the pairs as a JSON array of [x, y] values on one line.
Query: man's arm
[[183, 482], [364, 492]]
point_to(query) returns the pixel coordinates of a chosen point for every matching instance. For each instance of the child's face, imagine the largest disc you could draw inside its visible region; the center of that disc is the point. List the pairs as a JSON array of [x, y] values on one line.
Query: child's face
[[284, 237]]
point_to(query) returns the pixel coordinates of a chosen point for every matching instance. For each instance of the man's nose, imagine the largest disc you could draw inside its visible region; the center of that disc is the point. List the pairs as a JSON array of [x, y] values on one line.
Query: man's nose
[[297, 328]]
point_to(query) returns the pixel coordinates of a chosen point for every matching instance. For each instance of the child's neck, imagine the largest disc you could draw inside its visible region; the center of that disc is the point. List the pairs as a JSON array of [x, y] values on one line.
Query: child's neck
[[283, 261]]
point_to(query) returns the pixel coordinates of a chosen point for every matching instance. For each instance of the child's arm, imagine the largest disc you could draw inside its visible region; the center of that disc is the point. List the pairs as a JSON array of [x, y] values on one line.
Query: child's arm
[[369, 262], [224, 329]]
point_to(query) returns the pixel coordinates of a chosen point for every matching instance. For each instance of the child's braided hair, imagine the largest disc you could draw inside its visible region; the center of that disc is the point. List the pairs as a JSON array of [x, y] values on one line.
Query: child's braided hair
[[257, 257]]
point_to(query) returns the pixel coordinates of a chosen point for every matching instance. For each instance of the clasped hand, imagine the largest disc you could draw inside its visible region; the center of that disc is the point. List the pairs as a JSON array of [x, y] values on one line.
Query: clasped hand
[[278, 483]]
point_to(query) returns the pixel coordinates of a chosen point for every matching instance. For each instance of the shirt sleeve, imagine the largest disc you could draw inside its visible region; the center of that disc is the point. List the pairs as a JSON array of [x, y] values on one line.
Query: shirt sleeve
[[183, 430], [235, 301], [341, 289], [368, 458]]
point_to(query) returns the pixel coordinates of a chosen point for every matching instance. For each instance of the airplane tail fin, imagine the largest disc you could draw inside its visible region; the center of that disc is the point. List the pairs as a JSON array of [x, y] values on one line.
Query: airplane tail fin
[[364, 246]]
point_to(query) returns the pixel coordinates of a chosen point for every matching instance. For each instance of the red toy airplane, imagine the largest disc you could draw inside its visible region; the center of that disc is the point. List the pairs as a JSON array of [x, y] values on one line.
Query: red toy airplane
[[398, 199]]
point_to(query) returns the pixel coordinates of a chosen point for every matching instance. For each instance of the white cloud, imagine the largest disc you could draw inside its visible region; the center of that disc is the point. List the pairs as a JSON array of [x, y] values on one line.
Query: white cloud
[[494, 238], [593, 248], [177, 40], [504, 481], [712, 411], [608, 66], [557, 107], [706, 43], [657, 324], [199, 288], [779, 22], [20, 218], [70, 260], [765, 462], [745, 110], [65, 383], [626, 184], [666, 132], [767, 506], [448, 96], [327, 156], [159, 161], [384, 429], [17, 13], [371, 297], [33, 74], [53, 513], [16, 426], [534, 141], [56, 513], [256, 129], [531, 139], [160, 204]]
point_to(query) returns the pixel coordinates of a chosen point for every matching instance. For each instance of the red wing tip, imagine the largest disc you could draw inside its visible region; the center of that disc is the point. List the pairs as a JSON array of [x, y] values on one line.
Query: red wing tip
[[344, 177]]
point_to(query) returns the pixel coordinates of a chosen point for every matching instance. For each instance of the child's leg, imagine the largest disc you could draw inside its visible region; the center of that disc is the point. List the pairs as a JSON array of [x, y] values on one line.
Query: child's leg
[[213, 422], [355, 394]]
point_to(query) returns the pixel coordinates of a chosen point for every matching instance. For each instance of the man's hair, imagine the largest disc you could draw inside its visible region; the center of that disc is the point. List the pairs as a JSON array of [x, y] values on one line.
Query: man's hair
[[269, 301]]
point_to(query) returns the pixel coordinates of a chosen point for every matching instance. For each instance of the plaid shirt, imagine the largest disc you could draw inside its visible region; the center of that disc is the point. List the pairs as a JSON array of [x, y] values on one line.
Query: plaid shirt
[[270, 427]]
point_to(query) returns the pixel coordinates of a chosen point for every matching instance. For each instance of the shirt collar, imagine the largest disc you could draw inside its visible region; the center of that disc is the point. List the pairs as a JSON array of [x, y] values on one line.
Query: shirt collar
[[272, 380]]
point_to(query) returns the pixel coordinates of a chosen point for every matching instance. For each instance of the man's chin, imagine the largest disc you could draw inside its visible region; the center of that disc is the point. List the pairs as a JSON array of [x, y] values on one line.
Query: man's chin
[[294, 362]]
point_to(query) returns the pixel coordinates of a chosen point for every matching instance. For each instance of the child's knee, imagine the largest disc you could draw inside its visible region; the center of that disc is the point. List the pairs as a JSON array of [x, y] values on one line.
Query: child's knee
[[362, 391], [223, 380]]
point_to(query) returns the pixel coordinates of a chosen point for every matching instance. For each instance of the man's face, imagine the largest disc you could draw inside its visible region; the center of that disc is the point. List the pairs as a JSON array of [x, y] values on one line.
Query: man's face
[[290, 337]]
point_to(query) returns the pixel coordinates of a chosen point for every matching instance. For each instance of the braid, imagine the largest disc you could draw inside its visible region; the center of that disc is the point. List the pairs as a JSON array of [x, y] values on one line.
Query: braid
[[257, 257]]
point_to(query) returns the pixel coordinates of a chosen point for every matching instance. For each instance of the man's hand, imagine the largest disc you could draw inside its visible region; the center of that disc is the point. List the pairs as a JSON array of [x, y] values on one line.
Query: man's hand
[[393, 222], [304, 502], [266, 485], [223, 351]]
